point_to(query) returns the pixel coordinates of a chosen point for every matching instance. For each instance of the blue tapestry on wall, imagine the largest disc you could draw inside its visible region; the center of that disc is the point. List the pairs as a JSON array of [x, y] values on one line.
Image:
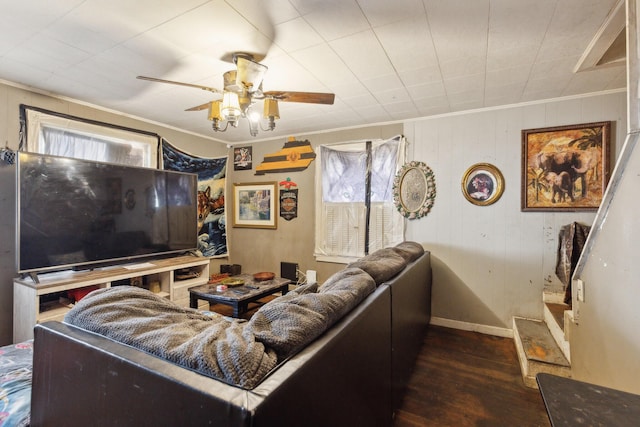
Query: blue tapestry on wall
[[212, 230]]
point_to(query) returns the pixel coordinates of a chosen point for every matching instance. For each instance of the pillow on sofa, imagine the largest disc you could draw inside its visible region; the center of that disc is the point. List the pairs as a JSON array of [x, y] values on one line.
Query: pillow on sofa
[[290, 322], [382, 265], [212, 346], [410, 251]]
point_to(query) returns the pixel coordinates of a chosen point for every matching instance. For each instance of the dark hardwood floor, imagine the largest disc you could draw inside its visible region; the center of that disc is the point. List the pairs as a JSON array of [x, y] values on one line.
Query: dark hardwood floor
[[466, 378], [462, 379]]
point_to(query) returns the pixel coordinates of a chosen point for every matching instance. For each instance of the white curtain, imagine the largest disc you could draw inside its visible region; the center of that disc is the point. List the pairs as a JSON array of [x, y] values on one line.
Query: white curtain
[[341, 209], [67, 137]]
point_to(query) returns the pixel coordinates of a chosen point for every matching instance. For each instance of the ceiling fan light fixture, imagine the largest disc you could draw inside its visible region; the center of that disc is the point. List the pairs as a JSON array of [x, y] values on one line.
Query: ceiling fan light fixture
[[242, 88], [254, 117], [249, 72], [254, 122], [271, 110], [230, 108], [214, 110], [216, 117]]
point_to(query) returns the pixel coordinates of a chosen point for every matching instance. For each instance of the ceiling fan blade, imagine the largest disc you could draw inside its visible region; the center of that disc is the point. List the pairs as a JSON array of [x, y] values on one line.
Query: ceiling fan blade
[[199, 107], [153, 79], [250, 73], [307, 97]]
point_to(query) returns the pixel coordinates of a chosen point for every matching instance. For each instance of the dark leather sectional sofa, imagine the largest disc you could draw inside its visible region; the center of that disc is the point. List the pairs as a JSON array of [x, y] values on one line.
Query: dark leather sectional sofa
[[354, 374]]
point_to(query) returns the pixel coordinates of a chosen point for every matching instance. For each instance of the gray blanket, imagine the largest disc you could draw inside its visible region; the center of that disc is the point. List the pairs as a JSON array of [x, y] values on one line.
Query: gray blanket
[[213, 346], [290, 322], [235, 351]]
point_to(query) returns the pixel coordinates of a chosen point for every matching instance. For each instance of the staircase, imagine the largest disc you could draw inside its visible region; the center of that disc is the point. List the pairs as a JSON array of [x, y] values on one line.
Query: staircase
[[543, 345]]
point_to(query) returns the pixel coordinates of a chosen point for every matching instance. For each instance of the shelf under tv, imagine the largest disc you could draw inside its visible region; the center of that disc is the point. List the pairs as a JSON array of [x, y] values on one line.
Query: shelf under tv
[[28, 293]]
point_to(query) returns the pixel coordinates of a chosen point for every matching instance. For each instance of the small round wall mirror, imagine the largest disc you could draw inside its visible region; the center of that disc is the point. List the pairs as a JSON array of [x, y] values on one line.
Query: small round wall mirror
[[414, 190]]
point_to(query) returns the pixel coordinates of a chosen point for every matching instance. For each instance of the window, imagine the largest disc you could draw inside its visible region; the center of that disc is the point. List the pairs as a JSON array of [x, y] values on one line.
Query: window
[[355, 213], [60, 135]]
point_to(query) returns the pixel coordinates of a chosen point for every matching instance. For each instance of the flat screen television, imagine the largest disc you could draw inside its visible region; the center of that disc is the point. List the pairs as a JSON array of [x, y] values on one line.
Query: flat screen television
[[79, 214]]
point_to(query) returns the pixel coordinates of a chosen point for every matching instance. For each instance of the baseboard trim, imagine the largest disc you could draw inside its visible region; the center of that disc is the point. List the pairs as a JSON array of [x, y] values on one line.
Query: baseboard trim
[[474, 327]]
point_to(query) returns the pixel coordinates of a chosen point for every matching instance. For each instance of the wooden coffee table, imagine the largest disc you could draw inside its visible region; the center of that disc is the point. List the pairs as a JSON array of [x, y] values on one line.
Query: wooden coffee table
[[238, 297]]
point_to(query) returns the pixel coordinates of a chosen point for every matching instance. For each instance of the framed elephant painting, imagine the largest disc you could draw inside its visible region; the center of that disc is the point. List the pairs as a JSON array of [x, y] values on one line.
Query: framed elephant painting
[[565, 168]]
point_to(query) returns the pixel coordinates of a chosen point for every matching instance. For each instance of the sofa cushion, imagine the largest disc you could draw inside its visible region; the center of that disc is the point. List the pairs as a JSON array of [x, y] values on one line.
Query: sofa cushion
[[210, 345], [382, 264], [290, 322], [410, 251]]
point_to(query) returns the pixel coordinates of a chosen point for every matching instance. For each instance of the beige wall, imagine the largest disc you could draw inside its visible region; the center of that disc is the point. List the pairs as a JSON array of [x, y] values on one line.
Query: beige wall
[[492, 263], [293, 241]]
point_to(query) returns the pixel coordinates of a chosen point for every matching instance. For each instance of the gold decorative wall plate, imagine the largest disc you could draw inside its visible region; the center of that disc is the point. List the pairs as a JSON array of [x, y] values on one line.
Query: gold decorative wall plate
[[482, 184]]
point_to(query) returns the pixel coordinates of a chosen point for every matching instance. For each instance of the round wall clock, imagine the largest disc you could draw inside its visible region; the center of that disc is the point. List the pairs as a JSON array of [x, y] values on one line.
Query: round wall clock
[[414, 190]]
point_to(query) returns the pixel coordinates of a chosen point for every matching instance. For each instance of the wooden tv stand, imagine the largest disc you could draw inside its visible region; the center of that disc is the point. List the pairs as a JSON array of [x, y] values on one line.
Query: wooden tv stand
[[28, 294]]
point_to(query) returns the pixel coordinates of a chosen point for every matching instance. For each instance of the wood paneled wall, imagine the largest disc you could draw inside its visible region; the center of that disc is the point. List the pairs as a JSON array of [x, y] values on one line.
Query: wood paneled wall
[[492, 263]]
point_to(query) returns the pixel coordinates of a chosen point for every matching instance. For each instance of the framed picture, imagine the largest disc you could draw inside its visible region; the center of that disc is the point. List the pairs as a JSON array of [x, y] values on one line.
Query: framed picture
[[414, 190], [242, 158], [482, 184], [565, 168], [254, 205]]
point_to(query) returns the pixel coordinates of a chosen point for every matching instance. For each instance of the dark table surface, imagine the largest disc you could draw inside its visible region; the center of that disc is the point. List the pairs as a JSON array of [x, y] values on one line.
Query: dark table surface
[[250, 289], [575, 403], [238, 297]]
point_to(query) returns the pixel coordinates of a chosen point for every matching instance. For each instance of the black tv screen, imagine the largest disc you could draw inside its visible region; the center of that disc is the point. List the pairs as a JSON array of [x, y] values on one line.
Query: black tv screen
[[75, 213]]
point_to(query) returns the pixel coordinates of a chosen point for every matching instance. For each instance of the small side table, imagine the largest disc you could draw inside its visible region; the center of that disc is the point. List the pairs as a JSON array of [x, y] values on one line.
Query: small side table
[[576, 403]]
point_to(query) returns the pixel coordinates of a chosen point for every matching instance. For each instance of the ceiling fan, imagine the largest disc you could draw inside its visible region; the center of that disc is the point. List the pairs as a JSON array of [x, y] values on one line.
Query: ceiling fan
[[242, 87]]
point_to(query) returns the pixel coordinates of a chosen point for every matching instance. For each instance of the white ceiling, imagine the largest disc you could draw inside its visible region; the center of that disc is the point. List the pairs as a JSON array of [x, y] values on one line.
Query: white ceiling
[[385, 60]]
